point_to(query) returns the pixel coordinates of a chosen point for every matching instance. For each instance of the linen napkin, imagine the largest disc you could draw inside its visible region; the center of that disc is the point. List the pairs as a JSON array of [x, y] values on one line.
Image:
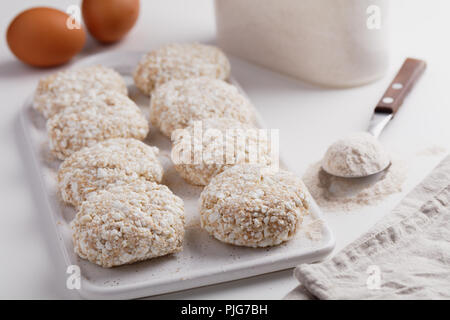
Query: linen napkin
[[405, 256]]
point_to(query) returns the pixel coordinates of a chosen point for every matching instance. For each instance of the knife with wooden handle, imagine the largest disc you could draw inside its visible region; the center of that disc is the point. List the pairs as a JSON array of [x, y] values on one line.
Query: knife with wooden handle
[[392, 99]]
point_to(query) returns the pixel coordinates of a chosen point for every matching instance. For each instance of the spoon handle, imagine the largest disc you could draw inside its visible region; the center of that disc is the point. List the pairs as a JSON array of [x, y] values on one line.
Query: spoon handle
[[399, 88]]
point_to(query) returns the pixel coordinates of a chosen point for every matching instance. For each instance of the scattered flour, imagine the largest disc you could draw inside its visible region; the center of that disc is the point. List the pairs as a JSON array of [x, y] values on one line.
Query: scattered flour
[[314, 229], [432, 151], [345, 194]]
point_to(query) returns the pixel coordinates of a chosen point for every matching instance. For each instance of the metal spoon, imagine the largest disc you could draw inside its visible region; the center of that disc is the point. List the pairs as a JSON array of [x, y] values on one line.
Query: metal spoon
[[386, 108]]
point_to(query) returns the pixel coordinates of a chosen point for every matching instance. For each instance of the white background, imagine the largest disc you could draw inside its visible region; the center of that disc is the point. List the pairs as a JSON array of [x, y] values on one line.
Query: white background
[[309, 119]]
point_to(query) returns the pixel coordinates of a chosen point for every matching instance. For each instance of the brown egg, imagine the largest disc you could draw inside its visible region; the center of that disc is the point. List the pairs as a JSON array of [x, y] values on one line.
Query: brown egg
[[41, 37], [110, 20]]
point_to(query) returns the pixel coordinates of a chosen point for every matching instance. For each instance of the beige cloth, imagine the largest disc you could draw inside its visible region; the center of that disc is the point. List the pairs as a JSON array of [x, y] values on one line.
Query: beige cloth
[[405, 256]]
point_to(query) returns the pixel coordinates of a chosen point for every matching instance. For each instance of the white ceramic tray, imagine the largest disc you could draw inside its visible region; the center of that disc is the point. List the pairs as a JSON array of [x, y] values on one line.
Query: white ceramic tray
[[203, 261]]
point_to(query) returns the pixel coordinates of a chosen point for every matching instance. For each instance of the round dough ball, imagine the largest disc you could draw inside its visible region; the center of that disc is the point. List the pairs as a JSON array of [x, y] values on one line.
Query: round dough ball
[[66, 88], [220, 144], [94, 168], [126, 223], [180, 61], [250, 205], [94, 119], [176, 103]]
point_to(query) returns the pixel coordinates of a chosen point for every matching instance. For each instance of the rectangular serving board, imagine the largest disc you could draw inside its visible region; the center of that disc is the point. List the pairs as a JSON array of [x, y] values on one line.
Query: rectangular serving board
[[203, 261]]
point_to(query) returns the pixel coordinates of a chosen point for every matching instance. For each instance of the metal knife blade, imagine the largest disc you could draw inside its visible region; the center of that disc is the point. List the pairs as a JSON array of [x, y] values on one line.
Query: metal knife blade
[[377, 123]]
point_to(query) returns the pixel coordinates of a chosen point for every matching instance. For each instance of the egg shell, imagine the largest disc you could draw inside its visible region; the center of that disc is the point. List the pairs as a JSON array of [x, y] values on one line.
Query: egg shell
[[40, 37], [109, 21]]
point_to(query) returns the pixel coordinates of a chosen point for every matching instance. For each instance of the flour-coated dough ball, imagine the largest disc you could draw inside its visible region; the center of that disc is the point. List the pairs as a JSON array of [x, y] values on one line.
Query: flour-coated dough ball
[[221, 144], [253, 206], [126, 223], [94, 168], [66, 88], [180, 61], [94, 119], [177, 103]]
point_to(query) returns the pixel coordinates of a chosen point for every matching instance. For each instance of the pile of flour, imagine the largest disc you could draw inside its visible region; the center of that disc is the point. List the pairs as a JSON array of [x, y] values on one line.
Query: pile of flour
[[345, 194], [357, 155]]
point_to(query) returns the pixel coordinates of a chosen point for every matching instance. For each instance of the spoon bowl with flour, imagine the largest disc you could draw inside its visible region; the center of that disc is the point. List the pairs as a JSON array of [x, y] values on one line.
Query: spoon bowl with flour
[[356, 156], [361, 154]]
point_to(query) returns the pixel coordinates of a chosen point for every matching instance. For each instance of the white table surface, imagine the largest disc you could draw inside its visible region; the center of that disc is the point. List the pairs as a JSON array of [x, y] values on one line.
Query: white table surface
[[309, 119]]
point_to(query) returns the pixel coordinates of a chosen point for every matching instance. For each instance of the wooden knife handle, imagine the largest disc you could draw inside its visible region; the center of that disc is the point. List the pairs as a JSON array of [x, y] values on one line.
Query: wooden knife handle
[[399, 88]]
